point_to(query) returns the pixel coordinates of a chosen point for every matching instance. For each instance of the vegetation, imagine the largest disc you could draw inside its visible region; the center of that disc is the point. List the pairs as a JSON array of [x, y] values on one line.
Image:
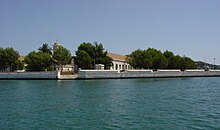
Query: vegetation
[[62, 56], [155, 59], [45, 49], [9, 60], [38, 61], [44, 60], [88, 54]]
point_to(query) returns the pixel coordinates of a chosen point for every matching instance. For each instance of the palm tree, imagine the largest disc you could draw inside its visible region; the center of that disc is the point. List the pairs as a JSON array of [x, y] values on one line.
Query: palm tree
[[45, 49]]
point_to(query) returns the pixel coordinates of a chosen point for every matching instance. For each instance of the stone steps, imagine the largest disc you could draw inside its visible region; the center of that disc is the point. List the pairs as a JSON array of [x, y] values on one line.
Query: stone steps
[[68, 77]]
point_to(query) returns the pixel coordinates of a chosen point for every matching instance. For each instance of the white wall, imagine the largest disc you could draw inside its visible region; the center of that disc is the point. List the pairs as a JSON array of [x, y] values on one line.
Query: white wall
[[86, 74], [29, 75], [120, 65]]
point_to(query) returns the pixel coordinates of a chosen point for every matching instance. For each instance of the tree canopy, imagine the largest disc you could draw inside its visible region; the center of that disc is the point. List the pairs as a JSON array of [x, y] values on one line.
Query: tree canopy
[[62, 56], [154, 59], [45, 49], [9, 60], [44, 60], [38, 61], [89, 54]]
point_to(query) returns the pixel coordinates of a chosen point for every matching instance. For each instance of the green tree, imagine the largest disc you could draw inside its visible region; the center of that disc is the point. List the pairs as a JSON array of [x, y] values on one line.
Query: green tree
[[38, 61], [140, 59], [84, 60], [159, 61], [45, 49], [8, 59], [88, 47], [170, 59], [19, 65], [96, 53], [155, 59], [62, 56], [187, 63], [2, 59]]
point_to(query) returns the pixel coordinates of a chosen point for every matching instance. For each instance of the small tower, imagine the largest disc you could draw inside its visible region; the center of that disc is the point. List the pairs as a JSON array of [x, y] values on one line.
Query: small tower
[[55, 46]]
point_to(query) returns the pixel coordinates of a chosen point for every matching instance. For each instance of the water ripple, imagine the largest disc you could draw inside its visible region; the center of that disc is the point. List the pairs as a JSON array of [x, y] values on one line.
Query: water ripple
[[179, 103]]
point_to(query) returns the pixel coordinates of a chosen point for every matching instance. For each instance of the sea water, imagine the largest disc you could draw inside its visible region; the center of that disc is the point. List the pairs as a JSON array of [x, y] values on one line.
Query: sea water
[[170, 103]]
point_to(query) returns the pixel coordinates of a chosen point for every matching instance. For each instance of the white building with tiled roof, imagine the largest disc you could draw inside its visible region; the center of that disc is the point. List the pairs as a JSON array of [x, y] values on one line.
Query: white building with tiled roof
[[119, 62]]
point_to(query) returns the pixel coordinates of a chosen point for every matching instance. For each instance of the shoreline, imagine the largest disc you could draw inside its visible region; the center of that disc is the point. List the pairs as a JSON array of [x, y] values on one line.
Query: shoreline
[[108, 74]]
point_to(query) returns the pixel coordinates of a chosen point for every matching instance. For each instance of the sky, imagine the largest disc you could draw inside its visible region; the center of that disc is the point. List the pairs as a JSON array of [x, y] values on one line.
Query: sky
[[185, 27]]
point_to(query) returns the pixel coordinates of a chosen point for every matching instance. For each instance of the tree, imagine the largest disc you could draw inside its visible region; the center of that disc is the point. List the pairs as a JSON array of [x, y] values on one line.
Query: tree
[[84, 60], [8, 59], [62, 56], [38, 61], [159, 61], [96, 53], [45, 49], [140, 59], [155, 59], [187, 63], [88, 47], [170, 59], [19, 65]]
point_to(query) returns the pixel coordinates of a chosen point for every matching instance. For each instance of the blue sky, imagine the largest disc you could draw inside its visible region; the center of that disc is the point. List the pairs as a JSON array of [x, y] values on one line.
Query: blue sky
[[186, 27]]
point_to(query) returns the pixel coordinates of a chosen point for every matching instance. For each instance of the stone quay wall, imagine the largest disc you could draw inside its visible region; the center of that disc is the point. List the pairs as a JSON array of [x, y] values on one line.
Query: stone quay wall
[[110, 74], [107, 74], [29, 75]]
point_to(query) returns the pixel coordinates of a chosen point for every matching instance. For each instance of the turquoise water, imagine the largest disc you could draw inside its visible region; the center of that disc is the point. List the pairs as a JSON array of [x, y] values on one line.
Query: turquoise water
[[178, 103]]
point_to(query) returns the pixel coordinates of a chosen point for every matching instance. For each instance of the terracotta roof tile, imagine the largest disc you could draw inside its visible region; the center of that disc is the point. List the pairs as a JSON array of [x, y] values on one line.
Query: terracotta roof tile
[[116, 56], [21, 58]]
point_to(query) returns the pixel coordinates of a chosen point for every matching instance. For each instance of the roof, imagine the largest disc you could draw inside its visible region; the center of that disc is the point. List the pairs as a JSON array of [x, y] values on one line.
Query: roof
[[21, 58], [116, 56]]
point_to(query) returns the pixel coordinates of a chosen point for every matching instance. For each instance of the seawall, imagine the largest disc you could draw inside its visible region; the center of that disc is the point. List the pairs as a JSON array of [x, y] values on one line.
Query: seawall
[[108, 74], [29, 75]]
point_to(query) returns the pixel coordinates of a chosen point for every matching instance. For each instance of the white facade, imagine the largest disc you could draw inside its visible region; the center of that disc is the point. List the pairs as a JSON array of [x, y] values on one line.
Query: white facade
[[100, 67], [120, 65], [119, 62]]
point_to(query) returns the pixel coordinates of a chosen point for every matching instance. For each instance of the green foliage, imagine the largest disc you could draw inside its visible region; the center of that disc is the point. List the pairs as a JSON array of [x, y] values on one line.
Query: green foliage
[[45, 49], [140, 59], [20, 65], [38, 61], [155, 59], [9, 59], [159, 61], [62, 56], [94, 53], [84, 60], [187, 63], [88, 47]]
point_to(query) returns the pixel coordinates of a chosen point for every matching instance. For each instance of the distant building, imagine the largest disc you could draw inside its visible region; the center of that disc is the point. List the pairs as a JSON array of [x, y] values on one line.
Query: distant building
[[21, 58], [99, 67], [119, 62], [55, 46]]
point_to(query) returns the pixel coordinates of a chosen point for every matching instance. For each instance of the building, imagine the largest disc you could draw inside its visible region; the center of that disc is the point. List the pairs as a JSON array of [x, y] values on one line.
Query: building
[[55, 46], [99, 67], [119, 62]]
